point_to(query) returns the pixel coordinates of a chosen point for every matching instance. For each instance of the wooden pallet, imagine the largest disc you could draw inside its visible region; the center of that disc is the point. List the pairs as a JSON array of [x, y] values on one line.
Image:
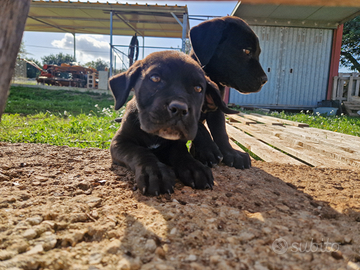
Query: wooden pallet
[[352, 108], [283, 141]]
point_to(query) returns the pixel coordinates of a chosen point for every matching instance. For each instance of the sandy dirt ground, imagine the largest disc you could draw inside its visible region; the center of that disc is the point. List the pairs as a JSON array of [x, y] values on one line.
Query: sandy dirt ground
[[68, 208]]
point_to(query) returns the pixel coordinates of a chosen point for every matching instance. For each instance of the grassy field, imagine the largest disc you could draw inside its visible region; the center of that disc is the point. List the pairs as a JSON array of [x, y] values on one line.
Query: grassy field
[[87, 119], [58, 118]]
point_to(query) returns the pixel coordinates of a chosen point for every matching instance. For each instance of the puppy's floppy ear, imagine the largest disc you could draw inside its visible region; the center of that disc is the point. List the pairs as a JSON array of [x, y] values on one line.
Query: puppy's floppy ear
[[213, 99], [205, 38], [121, 84]]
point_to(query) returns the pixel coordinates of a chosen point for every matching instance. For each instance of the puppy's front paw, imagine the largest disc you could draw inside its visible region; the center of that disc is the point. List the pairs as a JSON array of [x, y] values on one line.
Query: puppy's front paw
[[154, 179], [209, 155], [237, 159], [193, 173]]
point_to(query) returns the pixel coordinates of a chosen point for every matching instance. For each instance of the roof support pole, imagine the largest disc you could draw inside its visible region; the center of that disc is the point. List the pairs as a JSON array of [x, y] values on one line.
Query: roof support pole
[[184, 30], [74, 47], [111, 42], [335, 59]]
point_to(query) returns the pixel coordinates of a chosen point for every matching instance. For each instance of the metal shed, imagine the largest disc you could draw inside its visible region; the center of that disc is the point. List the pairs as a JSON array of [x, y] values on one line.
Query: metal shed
[[300, 52]]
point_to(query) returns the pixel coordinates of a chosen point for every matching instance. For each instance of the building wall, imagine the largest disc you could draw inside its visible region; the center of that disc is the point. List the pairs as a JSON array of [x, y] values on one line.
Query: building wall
[[296, 61]]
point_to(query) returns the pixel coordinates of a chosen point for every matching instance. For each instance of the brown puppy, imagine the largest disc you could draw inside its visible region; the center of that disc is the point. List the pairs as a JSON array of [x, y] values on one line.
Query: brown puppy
[[228, 51], [163, 115]]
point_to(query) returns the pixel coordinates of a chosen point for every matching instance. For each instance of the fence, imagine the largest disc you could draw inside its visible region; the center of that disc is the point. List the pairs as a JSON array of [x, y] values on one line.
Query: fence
[[346, 89]]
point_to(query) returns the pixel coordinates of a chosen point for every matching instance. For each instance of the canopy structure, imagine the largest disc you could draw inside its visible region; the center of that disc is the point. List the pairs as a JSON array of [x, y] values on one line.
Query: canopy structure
[[94, 18], [299, 13], [109, 19]]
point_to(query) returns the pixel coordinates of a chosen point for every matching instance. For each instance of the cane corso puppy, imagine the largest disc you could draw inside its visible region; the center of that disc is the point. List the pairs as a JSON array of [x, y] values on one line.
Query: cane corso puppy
[[170, 88], [228, 51]]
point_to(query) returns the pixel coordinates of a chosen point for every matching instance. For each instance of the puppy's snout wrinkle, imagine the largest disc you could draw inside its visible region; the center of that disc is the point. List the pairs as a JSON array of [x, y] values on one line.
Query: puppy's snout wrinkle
[[177, 108]]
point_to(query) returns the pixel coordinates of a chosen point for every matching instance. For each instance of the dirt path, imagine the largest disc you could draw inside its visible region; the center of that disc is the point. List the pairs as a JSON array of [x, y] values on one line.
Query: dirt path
[[66, 208]]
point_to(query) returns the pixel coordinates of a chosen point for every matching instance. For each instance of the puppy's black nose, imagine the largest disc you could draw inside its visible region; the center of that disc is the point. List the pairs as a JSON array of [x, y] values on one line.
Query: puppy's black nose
[[177, 108], [264, 79]]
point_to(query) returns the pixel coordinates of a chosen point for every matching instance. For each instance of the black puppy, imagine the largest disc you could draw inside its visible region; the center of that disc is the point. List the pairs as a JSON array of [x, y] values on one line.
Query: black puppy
[[163, 115], [228, 51]]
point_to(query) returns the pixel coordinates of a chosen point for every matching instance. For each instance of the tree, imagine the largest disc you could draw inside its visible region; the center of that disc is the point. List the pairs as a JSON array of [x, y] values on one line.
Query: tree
[[350, 48], [13, 14], [58, 59], [22, 51], [31, 71], [99, 64]]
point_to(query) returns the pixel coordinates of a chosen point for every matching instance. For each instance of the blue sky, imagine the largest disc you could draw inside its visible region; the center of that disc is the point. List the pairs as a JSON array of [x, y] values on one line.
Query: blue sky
[[92, 47]]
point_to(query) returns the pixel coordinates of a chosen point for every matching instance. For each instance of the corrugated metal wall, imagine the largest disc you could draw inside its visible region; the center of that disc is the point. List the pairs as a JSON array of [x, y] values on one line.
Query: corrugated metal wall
[[297, 62]]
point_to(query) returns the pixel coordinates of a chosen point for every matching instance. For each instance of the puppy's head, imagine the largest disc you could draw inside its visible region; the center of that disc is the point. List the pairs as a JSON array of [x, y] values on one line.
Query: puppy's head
[[229, 50], [170, 88]]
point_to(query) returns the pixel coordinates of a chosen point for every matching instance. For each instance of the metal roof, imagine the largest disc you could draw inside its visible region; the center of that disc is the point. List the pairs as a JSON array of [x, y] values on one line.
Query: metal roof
[[304, 13], [94, 18]]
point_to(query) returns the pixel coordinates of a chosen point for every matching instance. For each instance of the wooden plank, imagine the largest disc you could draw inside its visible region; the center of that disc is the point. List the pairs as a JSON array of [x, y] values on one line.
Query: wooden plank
[[335, 88], [284, 121], [350, 87], [334, 135], [261, 119], [319, 147], [240, 119], [292, 149], [260, 149], [342, 144]]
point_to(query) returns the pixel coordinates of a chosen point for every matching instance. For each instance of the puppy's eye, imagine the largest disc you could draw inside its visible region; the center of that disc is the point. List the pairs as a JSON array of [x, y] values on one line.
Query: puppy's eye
[[247, 51], [155, 78], [198, 88]]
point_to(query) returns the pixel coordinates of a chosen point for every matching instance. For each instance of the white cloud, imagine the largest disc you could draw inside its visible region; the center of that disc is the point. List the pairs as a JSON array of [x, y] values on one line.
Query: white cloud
[[88, 47]]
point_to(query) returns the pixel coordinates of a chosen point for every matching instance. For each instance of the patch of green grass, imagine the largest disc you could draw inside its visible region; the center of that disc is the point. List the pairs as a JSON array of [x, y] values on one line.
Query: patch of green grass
[[23, 100], [83, 130], [343, 124], [58, 118]]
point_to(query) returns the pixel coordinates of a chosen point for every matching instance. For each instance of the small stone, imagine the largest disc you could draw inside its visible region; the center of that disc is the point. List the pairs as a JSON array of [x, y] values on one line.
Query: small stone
[[347, 239], [19, 247], [245, 236], [30, 234], [173, 231], [123, 264], [34, 220], [41, 178], [163, 267], [150, 245], [35, 250], [160, 252], [259, 266], [94, 214], [94, 202], [50, 241], [5, 254], [191, 258], [352, 266], [78, 217], [215, 259], [337, 255], [196, 266], [4, 177], [95, 258], [113, 247]]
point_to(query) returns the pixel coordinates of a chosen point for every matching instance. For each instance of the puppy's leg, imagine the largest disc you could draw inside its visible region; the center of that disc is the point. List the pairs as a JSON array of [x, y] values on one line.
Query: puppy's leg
[[232, 157], [151, 175], [189, 170], [204, 149]]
